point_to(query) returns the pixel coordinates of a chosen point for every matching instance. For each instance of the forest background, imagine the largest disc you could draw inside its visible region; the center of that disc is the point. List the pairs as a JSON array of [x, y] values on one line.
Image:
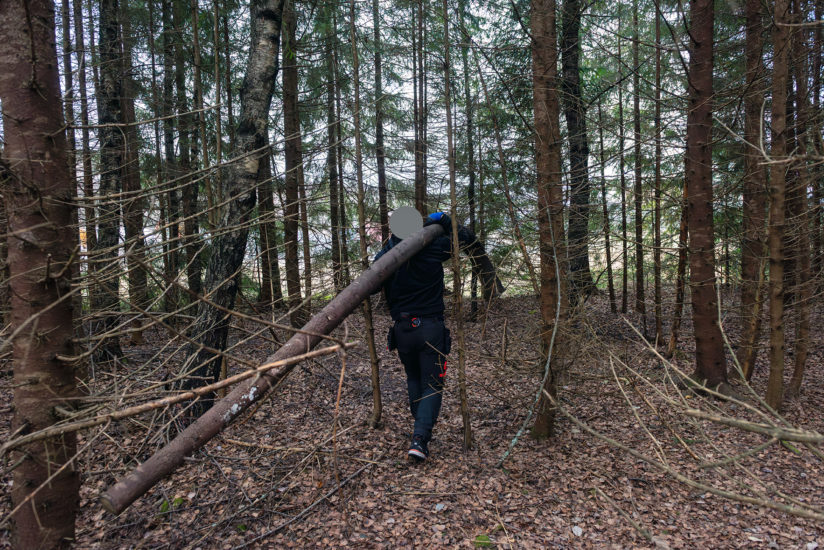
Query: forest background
[[187, 184]]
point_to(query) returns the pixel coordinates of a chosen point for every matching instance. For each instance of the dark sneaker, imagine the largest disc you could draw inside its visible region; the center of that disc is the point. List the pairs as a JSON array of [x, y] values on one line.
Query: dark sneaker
[[418, 450]]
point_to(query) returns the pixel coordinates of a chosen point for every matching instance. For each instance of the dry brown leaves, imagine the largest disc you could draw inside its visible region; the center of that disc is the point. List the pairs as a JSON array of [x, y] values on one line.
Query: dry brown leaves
[[253, 484]]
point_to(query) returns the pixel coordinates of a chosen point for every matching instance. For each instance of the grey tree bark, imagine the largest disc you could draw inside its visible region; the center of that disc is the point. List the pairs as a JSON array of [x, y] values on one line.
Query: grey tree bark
[[110, 113], [576, 120], [239, 181]]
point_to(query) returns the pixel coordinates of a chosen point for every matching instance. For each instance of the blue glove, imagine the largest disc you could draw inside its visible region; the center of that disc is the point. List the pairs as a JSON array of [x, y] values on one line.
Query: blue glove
[[441, 219]]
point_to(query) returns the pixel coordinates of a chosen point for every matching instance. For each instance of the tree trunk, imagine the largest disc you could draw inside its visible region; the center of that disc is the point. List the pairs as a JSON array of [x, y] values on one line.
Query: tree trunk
[[624, 241], [681, 275], [818, 146], [470, 149], [307, 253], [216, 62], [576, 120], [377, 408], [271, 293], [343, 238], [331, 157], [550, 202], [610, 283], [68, 95], [413, 32], [186, 126], [754, 196], [380, 154], [640, 301], [239, 181], [110, 113], [37, 192], [294, 165], [710, 362], [71, 154], [227, 61], [212, 195], [510, 207], [420, 126], [804, 289], [135, 202], [88, 182], [656, 255], [171, 298], [778, 175], [457, 296]]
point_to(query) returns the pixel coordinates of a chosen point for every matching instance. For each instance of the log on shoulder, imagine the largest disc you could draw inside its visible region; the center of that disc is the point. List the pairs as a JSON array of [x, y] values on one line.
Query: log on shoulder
[[118, 497]]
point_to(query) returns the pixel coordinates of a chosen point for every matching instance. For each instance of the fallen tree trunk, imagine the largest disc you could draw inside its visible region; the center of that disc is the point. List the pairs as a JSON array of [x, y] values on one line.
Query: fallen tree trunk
[[118, 497]]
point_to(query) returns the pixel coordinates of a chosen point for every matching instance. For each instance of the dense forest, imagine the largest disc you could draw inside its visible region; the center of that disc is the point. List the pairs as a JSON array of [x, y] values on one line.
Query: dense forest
[[193, 345]]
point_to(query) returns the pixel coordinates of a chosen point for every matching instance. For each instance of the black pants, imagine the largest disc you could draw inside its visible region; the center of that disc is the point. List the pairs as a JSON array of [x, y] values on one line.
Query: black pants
[[423, 344]]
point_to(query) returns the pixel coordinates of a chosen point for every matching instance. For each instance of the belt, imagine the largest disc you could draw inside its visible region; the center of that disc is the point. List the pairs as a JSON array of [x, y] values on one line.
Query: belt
[[406, 315]]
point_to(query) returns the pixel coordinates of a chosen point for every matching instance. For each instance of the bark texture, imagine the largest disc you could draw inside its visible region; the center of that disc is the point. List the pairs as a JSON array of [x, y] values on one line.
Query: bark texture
[[605, 206], [239, 181], [778, 182], [112, 149], [185, 129], [135, 202], [294, 165], [754, 193], [37, 192], [271, 293], [380, 154], [550, 198], [710, 362], [331, 156], [576, 120], [638, 192], [802, 222]]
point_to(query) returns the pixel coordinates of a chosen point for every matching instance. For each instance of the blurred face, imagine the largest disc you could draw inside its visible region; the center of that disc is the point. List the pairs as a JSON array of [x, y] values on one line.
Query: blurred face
[[405, 221]]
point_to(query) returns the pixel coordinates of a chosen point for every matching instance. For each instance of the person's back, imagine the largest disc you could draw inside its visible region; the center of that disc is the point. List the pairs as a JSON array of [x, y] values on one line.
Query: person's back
[[415, 296], [417, 287]]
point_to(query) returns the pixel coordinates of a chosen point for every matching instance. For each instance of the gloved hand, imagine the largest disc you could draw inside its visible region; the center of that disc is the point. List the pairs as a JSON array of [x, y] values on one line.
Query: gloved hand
[[441, 219]]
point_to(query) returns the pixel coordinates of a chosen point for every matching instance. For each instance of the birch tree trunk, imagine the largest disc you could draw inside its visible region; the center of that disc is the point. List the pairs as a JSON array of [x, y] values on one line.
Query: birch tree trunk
[[239, 181]]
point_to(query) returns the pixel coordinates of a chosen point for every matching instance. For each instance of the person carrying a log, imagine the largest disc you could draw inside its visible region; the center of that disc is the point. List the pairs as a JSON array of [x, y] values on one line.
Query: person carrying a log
[[415, 297]]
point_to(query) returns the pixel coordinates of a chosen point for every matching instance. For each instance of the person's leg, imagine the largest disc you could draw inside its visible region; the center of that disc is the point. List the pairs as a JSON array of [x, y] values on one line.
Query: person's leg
[[411, 365], [432, 372]]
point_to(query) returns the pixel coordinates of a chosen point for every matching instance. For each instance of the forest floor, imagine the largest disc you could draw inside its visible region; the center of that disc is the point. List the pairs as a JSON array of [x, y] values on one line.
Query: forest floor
[[270, 480]]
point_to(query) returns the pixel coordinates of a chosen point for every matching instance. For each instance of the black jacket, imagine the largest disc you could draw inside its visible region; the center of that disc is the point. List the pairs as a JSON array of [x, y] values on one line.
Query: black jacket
[[416, 288]]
